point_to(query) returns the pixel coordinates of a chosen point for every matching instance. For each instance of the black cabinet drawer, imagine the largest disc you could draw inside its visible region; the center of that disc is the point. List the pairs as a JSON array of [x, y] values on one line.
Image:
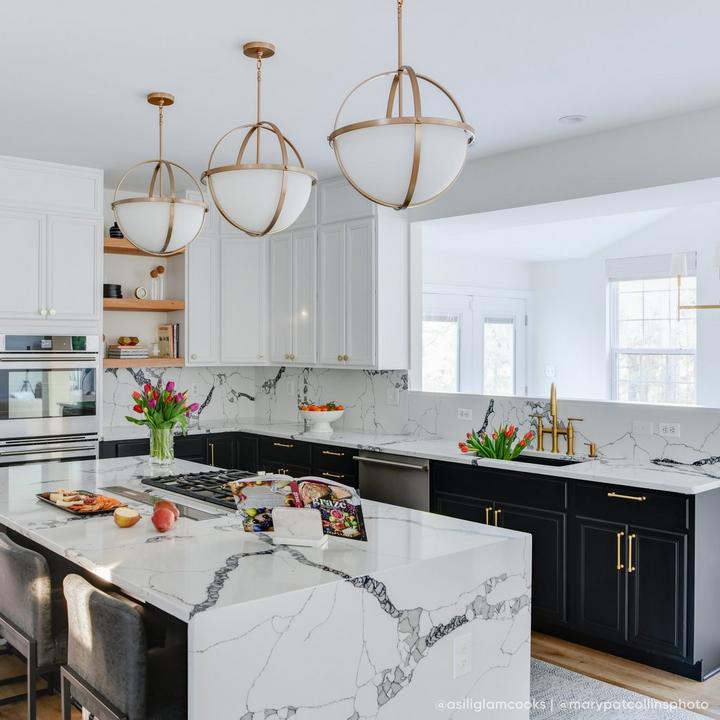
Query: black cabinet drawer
[[344, 478], [280, 468], [191, 447], [633, 506], [283, 450], [129, 448], [334, 459], [502, 485]]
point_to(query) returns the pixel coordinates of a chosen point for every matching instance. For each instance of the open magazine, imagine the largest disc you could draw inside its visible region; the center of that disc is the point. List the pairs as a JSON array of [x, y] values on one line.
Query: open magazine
[[339, 505]]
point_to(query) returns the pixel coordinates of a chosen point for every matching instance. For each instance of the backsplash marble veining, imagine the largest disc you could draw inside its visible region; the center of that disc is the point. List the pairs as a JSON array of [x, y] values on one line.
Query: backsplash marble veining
[[273, 394]]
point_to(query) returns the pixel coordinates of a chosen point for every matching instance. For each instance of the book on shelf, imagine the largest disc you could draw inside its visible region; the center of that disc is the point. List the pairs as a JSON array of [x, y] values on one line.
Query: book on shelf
[[169, 340], [127, 351]]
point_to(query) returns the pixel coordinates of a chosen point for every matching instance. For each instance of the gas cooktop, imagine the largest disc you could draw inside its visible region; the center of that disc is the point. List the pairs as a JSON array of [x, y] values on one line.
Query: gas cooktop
[[206, 486]]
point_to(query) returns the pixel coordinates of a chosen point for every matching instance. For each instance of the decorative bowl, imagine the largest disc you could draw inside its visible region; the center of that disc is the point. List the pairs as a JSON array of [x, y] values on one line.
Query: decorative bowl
[[319, 420]]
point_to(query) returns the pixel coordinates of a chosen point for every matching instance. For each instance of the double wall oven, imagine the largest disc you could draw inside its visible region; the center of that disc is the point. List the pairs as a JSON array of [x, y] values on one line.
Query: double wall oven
[[48, 398]]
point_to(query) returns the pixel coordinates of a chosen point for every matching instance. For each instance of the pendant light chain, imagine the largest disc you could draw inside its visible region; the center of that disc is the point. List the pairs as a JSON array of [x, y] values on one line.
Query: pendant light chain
[[400, 55], [161, 121], [258, 100]]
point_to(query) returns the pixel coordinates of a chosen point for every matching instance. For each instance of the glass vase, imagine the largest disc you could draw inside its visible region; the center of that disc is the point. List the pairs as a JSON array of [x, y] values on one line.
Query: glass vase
[[162, 451]]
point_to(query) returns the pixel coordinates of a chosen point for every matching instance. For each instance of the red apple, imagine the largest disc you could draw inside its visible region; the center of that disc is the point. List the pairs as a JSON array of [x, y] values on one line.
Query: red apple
[[171, 506], [163, 519]]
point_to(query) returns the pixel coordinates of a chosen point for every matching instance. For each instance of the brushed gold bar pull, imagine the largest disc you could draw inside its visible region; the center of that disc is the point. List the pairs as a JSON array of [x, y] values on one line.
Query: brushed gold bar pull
[[619, 564], [332, 475], [639, 498], [212, 453], [497, 512], [488, 510], [334, 454], [631, 567], [283, 445]]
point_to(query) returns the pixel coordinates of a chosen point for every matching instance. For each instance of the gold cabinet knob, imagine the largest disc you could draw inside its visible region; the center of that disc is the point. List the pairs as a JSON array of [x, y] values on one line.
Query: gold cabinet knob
[[292, 356], [340, 358], [287, 356], [346, 358]]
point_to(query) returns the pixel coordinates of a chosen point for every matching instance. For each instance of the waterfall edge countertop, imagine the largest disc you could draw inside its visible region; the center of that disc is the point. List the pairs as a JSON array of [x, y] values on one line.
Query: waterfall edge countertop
[[683, 478], [373, 619]]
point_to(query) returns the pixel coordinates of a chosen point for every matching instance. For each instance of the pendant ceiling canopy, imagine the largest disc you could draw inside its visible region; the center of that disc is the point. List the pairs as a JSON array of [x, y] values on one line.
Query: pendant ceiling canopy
[[260, 197], [403, 159], [159, 222]]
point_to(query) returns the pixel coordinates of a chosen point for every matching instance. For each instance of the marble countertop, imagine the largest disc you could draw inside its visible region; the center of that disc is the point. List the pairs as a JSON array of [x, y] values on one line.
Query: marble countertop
[[213, 563], [688, 479]]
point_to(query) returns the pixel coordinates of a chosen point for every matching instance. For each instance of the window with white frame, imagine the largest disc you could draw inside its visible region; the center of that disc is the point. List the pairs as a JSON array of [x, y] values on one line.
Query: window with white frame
[[653, 343]]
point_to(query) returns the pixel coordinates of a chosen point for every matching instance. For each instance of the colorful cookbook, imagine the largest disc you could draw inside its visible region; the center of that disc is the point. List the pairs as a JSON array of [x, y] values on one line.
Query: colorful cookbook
[[339, 505]]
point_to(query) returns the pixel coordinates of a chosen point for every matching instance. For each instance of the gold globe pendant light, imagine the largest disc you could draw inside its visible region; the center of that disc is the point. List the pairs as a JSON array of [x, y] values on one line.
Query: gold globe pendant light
[[402, 160], [259, 197], [159, 222]]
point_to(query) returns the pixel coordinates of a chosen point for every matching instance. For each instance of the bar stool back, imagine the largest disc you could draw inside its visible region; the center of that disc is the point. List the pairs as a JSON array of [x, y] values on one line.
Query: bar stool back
[[110, 670], [27, 619]]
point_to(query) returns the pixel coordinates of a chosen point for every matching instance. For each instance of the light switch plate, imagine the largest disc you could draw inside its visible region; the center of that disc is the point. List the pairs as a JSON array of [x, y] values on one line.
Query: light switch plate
[[671, 430], [464, 414], [392, 396], [462, 655]]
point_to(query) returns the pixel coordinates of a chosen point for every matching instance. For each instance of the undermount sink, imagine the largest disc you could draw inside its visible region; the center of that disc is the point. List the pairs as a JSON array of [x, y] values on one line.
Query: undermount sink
[[545, 460]]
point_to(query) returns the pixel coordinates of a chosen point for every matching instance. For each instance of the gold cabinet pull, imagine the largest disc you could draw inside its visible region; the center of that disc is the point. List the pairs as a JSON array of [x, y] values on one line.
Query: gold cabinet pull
[[332, 475], [334, 454], [619, 564], [619, 496], [488, 510], [283, 445], [631, 567], [340, 358], [497, 512], [212, 453]]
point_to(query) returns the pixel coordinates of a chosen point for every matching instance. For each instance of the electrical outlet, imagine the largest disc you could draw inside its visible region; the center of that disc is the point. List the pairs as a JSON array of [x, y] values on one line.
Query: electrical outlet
[[464, 414], [641, 427], [392, 396], [549, 371], [194, 391], [671, 430], [291, 387], [462, 655]]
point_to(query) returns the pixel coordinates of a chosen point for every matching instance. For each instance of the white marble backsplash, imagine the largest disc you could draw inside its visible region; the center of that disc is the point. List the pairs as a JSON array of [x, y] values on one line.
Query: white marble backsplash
[[273, 394]]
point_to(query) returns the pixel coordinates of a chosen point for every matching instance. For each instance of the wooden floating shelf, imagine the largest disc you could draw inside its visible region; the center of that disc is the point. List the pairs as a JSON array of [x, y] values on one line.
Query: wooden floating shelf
[[135, 305], [122, 246], [143, 362]]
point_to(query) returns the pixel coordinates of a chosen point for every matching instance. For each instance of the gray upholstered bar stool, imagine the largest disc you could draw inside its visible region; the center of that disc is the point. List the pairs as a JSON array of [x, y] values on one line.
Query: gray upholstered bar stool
[[110, 670], [32, 617]]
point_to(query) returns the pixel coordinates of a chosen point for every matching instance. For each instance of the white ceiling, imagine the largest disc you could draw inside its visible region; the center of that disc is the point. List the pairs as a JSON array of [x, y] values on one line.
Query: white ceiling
[[75, 73], [481, 236]]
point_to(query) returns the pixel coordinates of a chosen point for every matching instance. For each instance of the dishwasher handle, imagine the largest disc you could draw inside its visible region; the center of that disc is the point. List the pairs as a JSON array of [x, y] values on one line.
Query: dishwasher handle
[[391, 463]]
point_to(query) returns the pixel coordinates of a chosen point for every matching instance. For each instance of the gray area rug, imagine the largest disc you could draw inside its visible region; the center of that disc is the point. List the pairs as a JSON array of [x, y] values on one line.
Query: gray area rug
[[561, 694]]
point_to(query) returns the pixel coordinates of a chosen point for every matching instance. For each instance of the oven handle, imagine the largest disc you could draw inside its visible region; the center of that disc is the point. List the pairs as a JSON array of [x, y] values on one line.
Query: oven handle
[[47, 451], [72, 363]]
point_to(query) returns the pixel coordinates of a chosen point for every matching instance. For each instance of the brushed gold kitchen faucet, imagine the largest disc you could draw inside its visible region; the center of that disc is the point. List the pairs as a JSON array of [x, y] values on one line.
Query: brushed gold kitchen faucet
[[555, 430]]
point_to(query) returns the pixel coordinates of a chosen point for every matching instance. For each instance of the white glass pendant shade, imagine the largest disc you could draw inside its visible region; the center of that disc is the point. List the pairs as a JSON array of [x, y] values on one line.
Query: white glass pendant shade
[[145, 223], [378, 160], [248, 197]]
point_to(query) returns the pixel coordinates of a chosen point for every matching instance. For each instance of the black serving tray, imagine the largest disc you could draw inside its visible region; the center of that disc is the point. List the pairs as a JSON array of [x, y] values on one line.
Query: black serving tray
[[45, 497]]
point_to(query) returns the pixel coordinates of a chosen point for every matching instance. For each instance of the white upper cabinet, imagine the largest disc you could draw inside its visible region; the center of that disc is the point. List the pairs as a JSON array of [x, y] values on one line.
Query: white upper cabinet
[[202, 330], [331, 294], [51, 246], [243, 312], [22, 248], [73, 268], [293, 288]]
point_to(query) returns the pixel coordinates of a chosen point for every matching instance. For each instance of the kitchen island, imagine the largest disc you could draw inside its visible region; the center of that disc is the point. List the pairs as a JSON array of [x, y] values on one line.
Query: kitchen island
[[358, 629]]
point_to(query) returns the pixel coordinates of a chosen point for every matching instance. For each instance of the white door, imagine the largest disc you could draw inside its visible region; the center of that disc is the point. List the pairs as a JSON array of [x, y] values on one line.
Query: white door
[[281, 297], [331, 294], [22, 243], [360, 296], [73, 268], [202, 301], [304, 296], [242, 299]]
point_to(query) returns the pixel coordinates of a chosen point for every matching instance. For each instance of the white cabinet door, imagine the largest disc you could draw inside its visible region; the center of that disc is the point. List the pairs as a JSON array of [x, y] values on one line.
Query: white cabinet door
[[202, 299], [360, 296], [22, 248], [281, 297], [331, 294], [73, 268], [304, 296], [242, 299]]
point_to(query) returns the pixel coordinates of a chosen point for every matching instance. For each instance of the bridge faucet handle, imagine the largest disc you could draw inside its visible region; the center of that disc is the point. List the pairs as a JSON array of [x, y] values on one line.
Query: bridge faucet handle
[[572, 419]]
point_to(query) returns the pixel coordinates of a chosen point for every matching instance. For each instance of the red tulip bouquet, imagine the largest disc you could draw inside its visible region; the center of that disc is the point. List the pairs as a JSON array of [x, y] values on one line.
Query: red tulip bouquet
[[501, 444], [161, 410]]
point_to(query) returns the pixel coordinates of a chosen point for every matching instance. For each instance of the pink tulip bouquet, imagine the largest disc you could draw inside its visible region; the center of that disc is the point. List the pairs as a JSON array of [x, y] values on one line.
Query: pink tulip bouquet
[[161, 409], [501, 444]]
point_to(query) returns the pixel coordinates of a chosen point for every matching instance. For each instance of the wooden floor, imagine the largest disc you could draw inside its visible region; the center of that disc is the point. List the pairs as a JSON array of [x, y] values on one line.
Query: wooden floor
[[627, 674], [595, 664]]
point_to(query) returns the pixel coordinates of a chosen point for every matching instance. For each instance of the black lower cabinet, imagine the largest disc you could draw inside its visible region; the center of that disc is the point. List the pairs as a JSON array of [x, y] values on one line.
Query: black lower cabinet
[[548, 529], [221, 451], [191, 447], [600, 577]]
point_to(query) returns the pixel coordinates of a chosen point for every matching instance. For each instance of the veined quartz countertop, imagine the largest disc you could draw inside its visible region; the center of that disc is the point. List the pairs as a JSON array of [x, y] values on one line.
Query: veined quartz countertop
[[190, 569], [670, 477]]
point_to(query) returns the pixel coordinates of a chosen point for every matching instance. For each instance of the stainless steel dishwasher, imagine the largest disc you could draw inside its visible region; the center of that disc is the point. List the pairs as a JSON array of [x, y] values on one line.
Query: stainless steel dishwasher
[[394, 479]]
